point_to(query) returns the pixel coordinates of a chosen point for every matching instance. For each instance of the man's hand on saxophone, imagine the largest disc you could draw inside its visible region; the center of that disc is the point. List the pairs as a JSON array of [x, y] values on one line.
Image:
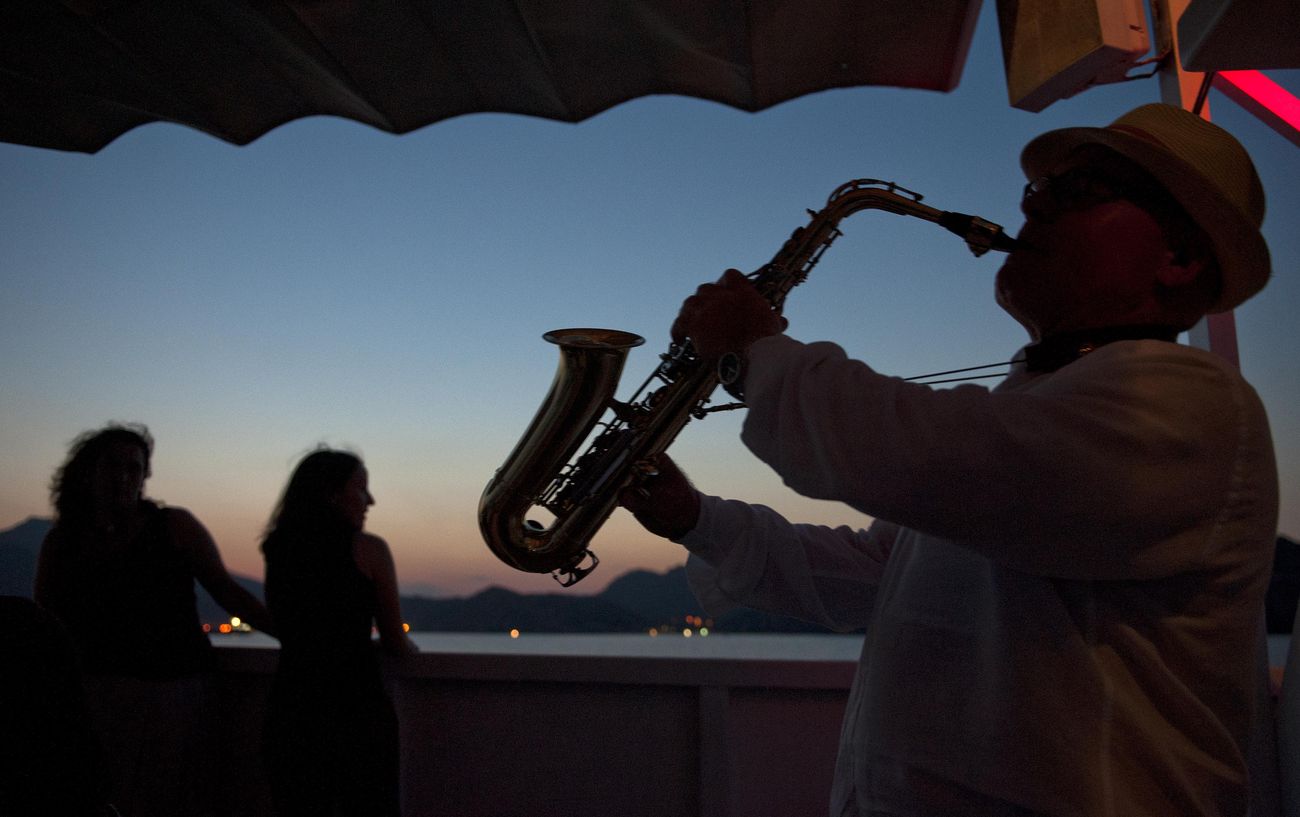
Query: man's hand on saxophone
[[720, 319], [726, 316], [665, 502]]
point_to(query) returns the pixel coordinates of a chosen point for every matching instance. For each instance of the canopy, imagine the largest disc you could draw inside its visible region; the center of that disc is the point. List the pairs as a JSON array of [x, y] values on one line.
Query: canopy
[[74, 75]]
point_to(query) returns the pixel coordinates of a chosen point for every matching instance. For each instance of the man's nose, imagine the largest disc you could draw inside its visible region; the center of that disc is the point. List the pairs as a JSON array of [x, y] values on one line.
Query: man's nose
[[1040, 207]]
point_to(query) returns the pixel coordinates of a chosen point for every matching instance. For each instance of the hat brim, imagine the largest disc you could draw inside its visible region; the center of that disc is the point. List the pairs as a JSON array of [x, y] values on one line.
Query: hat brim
[[1239, 246]]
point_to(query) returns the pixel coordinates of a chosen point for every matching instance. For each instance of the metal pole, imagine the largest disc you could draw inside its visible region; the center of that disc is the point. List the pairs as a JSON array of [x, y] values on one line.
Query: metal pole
[[1217, 333]]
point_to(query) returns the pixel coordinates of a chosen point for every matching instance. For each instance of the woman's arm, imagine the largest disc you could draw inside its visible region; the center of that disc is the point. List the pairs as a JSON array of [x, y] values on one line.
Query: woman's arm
[[376, 562], [205, 560]]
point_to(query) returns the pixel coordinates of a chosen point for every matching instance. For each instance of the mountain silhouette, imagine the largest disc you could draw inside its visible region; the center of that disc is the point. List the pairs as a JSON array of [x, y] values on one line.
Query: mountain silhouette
[[499, 610], [634, 602], [660, 598], [19, 547]]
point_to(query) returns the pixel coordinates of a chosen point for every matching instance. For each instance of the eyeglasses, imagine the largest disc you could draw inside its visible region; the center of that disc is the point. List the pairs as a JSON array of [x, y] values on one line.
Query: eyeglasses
[[1088, 185], [1076, 189]]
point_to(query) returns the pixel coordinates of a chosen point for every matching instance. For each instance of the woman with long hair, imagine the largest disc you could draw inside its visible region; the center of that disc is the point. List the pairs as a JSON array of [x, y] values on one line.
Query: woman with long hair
[[118, 571], [332, 742]]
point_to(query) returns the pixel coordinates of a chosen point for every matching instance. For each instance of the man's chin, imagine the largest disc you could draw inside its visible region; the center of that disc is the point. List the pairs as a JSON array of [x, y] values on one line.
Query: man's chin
[[1021, 316]]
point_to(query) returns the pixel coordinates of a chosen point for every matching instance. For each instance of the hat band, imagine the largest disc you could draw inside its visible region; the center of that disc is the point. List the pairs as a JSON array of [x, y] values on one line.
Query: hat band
[[1139, 133]]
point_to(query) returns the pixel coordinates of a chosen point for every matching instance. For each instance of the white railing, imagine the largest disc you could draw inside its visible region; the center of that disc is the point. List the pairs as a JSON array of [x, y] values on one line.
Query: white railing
[[541, 731], [497, 734]]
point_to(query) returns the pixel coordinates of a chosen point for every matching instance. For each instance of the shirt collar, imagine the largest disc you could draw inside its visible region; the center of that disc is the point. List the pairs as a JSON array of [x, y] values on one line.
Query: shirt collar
[[1051, 353]]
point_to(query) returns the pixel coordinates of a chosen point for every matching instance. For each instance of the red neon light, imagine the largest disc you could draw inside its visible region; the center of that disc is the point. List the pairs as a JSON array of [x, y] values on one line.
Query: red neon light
[[1274, 105]]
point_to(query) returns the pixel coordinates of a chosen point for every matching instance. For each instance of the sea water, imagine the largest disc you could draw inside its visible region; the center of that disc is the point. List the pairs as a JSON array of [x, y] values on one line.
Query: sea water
[[755, 646], [751, 646]]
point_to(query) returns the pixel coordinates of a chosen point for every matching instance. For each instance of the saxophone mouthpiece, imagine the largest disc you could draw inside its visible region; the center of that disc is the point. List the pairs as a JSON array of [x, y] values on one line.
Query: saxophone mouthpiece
[[980, 235], [1005, 243]]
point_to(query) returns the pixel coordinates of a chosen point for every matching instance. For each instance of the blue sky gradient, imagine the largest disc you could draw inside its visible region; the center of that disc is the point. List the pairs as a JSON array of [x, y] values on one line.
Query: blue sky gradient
[[333, 283]]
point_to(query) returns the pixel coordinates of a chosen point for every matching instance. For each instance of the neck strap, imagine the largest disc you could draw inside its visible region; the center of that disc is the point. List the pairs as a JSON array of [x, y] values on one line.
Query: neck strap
[[1051, 353]]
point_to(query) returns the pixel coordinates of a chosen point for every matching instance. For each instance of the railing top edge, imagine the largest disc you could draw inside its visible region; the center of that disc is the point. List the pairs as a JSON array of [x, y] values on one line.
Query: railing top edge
[[589, 669]]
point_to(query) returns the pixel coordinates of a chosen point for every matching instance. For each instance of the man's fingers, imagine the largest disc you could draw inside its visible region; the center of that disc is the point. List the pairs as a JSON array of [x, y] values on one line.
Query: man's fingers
[[732, 277]]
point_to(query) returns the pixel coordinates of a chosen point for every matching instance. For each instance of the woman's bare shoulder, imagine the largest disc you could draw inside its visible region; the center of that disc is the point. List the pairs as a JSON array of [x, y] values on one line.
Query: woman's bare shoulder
[[369, 550], [369, 542], [186, 530]]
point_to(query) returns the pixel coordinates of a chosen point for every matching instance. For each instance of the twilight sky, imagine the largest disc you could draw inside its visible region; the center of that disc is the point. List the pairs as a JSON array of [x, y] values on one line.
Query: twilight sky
[[331, 283]]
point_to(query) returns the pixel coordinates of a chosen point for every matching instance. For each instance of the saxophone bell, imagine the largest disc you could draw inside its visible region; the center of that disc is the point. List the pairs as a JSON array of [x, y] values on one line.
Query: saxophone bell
[[535, 476]]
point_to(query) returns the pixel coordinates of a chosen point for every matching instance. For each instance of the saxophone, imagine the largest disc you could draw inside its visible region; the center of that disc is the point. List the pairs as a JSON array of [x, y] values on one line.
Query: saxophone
[[580, 495]]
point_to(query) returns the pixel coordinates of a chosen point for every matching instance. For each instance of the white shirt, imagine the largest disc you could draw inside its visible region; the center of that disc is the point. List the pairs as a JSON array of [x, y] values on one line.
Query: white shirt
[[1062, 588]]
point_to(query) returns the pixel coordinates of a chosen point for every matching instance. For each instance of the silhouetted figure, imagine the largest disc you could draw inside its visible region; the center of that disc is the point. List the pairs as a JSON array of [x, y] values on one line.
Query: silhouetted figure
[[50, 761], [331, 740], [118, 570], [1283, 587]]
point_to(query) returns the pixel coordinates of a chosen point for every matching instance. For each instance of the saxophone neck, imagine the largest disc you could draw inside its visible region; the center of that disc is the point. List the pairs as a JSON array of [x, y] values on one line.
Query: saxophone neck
[[979, 234]]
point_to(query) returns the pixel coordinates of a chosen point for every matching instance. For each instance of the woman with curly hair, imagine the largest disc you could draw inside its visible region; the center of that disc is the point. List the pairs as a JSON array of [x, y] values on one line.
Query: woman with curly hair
[[118, 570]]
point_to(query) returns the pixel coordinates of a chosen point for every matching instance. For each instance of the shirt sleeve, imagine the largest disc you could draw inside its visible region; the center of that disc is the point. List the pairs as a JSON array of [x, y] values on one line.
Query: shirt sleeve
[[749, 555], [1084, 473]]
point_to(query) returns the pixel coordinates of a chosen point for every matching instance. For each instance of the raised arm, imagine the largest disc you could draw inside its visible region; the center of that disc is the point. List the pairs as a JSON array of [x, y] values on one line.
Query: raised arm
[[1089, 473]]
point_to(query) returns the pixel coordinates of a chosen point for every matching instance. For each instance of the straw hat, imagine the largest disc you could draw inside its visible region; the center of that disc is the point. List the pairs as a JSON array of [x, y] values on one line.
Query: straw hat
[[1205, 169]]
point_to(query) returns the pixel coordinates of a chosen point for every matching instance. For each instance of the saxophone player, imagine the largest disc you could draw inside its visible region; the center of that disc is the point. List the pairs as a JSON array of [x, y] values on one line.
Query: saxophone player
[[1062, 586]]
